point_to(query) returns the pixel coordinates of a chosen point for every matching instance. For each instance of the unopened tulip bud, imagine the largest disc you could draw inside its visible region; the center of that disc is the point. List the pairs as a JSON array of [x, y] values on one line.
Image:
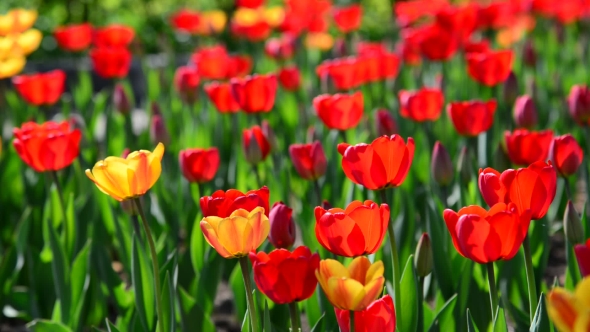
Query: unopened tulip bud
[[290, 78], [186, 82], [155, 108], [255, 144], [578, 102], [423, 260], [282, 226], [270, 135], [326, 205], [525, 112], [501, 159], [572, 225], [385, 123], [120, 100], [158, 131], [464, 166], [510, 89], [441, 165], [529, 55]]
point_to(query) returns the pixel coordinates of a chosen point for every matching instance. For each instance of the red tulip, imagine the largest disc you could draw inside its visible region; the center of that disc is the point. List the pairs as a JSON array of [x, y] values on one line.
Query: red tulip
[[255, 32], [343, 72], [476, 47], [255, 144], [50, 146], [490, 68], [281, 48], [461, 20], [121, 100], [286, 277], [408, 12], [186, 82], [186, 20], [531, 188], [583, 256], [578, 102], [222, 204], [378, 316], [270, 135], [385, 123], [309, 160], [437, 43], [114, 35], [290, 78], [212, 62], [199, 165], [282, 226], [488, 236], [409, 47], [422, 105], [158, 131], [348, 19], [339, 111], [367, 47], [473, 117], [525, 147], [249, 3], [358, 230], [382, 164], [41, 88], [525, 112], [239, 66], [566, 154], [255, 93], [220, 94], [73, 38], [111, 62]]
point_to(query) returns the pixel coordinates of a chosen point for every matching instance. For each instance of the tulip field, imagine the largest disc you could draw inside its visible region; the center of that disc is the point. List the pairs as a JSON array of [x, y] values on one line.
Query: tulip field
[[295, 165]]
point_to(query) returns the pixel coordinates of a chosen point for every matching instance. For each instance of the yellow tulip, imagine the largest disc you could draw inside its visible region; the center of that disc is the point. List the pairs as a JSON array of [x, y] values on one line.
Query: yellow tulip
[[353, 288], [131, 177], [11, 66], [570, 312], [7, 45], [320, 40], [17, 20], [274, 16], [238, 234], [212, 21], [29, 41]]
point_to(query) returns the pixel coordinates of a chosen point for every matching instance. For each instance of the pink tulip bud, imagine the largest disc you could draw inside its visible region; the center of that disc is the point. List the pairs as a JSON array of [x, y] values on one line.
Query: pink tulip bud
[[255, 144], [282, 227], [525, 112], [158, 131], [120, 100], [441, 165], [579, 103]]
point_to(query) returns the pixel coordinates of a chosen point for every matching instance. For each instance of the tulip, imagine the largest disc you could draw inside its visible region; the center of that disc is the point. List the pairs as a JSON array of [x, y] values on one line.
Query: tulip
[[282, 227], [255, 93], [441, 166], [222, 204], [339, 111], [255, 144], [270, 136], [578, 102], [488, 236], [16, 21], [239, 66], [382, 164], [343, 72], [385, 123], [186, 82], [437, 43], [353, 288], [464, 166], [378, 316], [40, 89], [28, 41], [471, 118], [569, 311], [583, 256], [290, 78], [490, 68], [212, 62], [221, 96], [186, 20], [309, 160], [50, 146], [199, 165], [120, 100], [529, 54], [158, 130], [319, 40], [462, 20], [211, 22], [114, 35], [74, 37], [572, 225], [510, 88], [357, 230], [423, 260], [526, 147], [348, 19], [111, 62], [281, 48], [409, 48], [532, 188], [566, 154], [476, 47], [525, 112], [422, 105], [255, 29], [11, 66], [249, 3]]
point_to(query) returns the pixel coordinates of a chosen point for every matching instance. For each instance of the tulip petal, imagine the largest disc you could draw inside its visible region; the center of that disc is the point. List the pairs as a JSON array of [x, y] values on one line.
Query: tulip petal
[[210, 231], [344, 293]]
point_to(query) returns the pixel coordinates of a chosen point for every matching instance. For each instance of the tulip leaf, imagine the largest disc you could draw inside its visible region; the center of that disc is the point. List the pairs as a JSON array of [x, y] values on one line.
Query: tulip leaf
[[61, 275], [317, 327], [168, 304], [572, 272], [442, 264], [192, 316], [111, 327], [208, 281], [541, 322], [500, 324], [143, 286], [80, 280], [236, 282], [267, 325], [585, 223], [197, 248], [441, 320], [246, 326], [470, 325], [41, 325], [409, 298]]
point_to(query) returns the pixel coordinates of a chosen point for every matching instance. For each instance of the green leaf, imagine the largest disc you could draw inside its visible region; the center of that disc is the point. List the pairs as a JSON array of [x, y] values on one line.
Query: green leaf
[[192, 316], [409, 298], [143, 286], [267, 325], [80, 279], [442, 264], [236, 282], [572, 272], [111, 327], [500, 324], [61, 275], [440, 322], [470, 325], [168, 301], [541, 321], [41, 325], [197, 248], [246, 327], [317, 326]]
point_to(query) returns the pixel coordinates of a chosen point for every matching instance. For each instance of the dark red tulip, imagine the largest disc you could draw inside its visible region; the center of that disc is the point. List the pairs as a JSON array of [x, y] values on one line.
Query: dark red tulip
[[255, 144], [290, 78], [525, 147], [41, 88], [114, 35], [220, 94], [566, 154], [339, 111], [441, 166], [111, 62], [223, 203], [281, 48], [186, 20], [473, 117], [186, 82], [158, 131], [256, 93], [49, 146], [385, 123], [121, 101], [421, 105], [348, 19], [578, 102], [490, 68], [199, 165], [73, 38], [378, 316], [583, 256], [525, 112], [285, 276], [282, 226], [309, 160], [529, 54], [437, 43]]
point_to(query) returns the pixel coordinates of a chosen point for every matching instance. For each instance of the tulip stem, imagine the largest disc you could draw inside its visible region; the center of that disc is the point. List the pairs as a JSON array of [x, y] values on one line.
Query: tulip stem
[[530, 277], [257, 175], [155, 267], [567, 188], [395, 263], [351, 314], [420, 327], [493, 291], [342, 135], [248, 285], [318, 191], [294, 319], [60, 194]]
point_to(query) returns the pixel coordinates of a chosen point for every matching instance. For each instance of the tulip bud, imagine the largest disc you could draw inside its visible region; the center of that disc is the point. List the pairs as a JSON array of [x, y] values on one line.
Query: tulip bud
[[155, 108], [255, 144], [290, 78], [158, 131], [270, 135], [385, 123], [572, 225], [120, 100], [282, 227], [186, 82], [441, 165], [501, 160], [578, 102], [423, 260], [510, 89], [525, 112], [326, 205], [529, 55], [464, 166]]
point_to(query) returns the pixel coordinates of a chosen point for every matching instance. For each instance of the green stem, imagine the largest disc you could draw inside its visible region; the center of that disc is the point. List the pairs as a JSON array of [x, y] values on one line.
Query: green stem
[[294, 319], [567, 188], [395, 264], [257, 175], [318, 191], [342, 135], [351, 314], [248, 285], [155, 267], [530, 277], [420, 327], [63, 209], [493, 291]]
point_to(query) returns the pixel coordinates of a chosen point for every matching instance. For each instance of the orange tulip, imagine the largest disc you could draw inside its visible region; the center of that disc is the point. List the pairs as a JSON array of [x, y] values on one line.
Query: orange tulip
[[238, 234], [352, 288], [570, 312]]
